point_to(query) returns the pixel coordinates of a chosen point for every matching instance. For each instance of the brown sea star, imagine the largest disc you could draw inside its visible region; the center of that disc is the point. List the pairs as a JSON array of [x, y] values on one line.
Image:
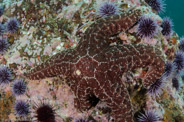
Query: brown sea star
[[94, 68]]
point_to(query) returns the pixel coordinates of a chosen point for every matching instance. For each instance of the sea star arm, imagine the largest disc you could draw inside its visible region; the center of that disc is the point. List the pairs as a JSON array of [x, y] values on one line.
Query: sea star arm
[[59, 64], [115, 94], [142, 56], [129, 57], [97, 35], [120, 59]]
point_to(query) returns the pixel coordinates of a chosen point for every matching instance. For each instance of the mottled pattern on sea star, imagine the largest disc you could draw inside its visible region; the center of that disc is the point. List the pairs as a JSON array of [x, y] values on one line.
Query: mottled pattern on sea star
[[94, 68]]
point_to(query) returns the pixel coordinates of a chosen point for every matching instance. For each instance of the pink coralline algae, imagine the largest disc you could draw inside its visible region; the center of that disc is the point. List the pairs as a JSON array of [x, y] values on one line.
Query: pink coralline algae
[[94, 68]]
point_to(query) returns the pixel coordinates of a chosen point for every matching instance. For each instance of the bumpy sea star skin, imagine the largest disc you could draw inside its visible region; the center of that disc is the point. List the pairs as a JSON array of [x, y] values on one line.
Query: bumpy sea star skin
[[94, 68]]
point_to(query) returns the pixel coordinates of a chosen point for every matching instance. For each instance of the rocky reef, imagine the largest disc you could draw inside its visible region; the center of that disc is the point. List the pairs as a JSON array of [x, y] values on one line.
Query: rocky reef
[[89, 60]]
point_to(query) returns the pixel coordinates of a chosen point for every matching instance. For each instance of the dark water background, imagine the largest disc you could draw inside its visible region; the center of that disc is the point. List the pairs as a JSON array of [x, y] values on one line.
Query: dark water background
[[175, 10]]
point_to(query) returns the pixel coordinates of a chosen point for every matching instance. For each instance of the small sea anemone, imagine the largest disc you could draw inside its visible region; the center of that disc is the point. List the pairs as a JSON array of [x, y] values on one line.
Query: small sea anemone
[[5, 75], [3, 45], [107, 9], [179, 61], [147, 28], [175, 83], [21, 108], [45, 113], [19, 87], [157, 5], [156, 88], [12, 25], [1, 11], [166, 26], [1, 29], [169, 69], [181, 45], [148, 116], [80, 120]]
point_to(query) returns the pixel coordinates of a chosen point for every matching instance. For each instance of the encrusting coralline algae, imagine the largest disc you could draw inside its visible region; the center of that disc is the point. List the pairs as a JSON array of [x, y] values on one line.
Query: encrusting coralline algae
[[87, 60]]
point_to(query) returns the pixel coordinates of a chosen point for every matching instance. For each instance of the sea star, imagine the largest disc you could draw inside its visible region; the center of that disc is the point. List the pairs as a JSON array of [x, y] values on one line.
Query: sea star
[[94, 68]]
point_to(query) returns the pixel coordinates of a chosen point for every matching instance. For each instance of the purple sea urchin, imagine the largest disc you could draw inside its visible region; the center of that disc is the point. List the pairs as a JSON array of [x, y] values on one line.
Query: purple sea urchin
[[1, 29], [5, 75], [157, 5], [147, 28], [80, 120], [3, 45], [179, 61], [12, 25], [45, 113], [169, 69], [107, 9], [19, 87], [156, 88], [1, 11], [175, 83], [166, 26], [181, 45], [21, 108], [148, 116]]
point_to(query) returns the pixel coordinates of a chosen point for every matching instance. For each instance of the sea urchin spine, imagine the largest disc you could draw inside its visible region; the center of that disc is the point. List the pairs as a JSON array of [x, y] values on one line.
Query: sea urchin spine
[[21, 108], [147, 28], [45, 113], [156, 88], [5, 75], [12, 25], [175, 83], [157, 5], [148, 116], [181, 44], [107, 9], [19, 87], [2, 29], [3, 45], [166, 27], [179, 61], [169, 69]]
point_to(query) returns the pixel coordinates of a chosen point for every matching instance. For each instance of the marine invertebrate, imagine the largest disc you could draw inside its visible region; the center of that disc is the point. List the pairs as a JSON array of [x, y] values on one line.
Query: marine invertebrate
[[107, 9], [80, 120], [182, 77], [166, 26], [147, 28], [94, 68], [5, 75], [169, 69], [175, 83], [3, 45], [19, 87], [156, 88], [181, 44], [45, 113], [12, 25], [1, 29], [157, 5], [148, 116], [179, 61], [1, 11], [21, 108]]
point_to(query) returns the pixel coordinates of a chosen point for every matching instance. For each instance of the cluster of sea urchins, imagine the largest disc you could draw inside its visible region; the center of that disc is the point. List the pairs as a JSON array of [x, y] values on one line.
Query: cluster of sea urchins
[[148, 28], [8, 28]]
